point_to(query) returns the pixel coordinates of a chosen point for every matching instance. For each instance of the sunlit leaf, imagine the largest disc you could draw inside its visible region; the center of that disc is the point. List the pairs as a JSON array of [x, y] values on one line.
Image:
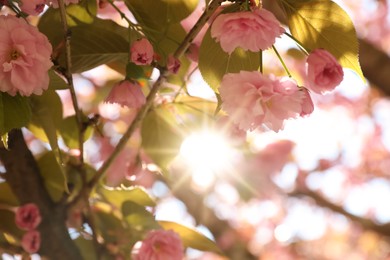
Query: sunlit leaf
[[138, 217], [191, 237], [116, 196], [15, 112], [7, 223], [324, 24], [84, 12], [214, 63], [86, 248], [161, 137]]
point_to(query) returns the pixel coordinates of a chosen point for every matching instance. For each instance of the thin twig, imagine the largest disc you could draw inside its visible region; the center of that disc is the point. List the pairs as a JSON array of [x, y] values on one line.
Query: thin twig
[[69, 78], [281, 61]]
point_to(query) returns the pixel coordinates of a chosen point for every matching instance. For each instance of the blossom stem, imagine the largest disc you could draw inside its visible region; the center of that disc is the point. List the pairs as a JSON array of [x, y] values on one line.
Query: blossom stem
[[282, 61], [261, 61], [69, 78], [156, 86], [300, 45]]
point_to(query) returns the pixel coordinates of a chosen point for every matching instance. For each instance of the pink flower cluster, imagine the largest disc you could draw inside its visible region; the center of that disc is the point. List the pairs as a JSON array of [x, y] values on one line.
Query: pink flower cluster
[[161, 245], [28, 217], [253, 99], [24, 57], [35, 7], [141, 52], [251, 30]]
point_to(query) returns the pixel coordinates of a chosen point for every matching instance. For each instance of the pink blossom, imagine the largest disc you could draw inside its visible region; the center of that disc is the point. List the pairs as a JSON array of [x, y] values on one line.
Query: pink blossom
[[254, 31], [142, 52], [31, 241], [307, 103], [28, 216], [54, 3], [252, 99], [173, 64], [32, 7], [127, 93], [24, 57], [161, 245], [323, 71], [274, 156]]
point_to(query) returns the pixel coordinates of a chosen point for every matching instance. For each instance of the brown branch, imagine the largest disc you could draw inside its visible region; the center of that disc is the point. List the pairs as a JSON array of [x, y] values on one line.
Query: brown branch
[[24, 178], [382, 229]]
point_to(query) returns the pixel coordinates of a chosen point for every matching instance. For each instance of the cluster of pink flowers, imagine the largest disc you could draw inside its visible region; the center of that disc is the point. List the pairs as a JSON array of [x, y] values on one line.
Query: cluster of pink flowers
[[35, 7], [252, 99], [28, 217], [161, 245], [24, 57]]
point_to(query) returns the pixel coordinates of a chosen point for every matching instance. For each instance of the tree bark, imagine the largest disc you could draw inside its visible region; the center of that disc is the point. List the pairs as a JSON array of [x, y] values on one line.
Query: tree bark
[[23, 175]]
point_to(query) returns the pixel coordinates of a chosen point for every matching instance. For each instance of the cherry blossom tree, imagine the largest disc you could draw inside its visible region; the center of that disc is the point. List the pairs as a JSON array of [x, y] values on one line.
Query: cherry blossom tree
[[194, 129]]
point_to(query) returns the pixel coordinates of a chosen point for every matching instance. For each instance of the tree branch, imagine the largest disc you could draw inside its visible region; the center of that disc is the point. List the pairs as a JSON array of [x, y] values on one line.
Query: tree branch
[[368, 224], [24, 178]]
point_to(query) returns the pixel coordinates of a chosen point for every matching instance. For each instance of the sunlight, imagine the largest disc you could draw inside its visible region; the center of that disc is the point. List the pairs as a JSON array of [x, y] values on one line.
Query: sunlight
[[206, 153]]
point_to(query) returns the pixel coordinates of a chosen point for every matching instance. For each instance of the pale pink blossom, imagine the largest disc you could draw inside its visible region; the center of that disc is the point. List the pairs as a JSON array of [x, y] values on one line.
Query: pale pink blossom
[[173, 64], [142, 52], [252, 99], [24, 57], [324, 72], [31, 241], [251, 30], [307, 103], [161, 245], [274, 156], [54, 3], [32, 7], [28, 216], [127, 93]]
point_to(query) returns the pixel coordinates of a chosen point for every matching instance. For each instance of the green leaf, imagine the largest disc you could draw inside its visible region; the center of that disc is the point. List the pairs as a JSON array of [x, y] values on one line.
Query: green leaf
[[86, 247], [158, 13], [214, 63], [84, 12], [56, 82], [47, 116], [116, 196], [324, 24], [191, 237], [94, 44], [7, 224], [55, 182], [161, 137], [15, 112], [69, 132], [7, 196], [46, 119], [137, 217]]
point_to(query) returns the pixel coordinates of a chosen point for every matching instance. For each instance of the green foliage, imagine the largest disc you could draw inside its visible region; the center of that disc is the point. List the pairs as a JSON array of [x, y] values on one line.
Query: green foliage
[[161, 137], [191, 237], [93, 44], [53, 177], [7, 224], [117, 196], [84, 12], [214, 63], [137, 217], [56, 82], [69, 131], [15, 112], [86, 247], [323, 24]]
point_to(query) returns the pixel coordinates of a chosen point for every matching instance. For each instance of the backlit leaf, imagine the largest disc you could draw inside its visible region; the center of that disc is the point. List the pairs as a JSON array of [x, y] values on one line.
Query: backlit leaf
[[324, 24], [117, 196], [15, 112], [191, 237]]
